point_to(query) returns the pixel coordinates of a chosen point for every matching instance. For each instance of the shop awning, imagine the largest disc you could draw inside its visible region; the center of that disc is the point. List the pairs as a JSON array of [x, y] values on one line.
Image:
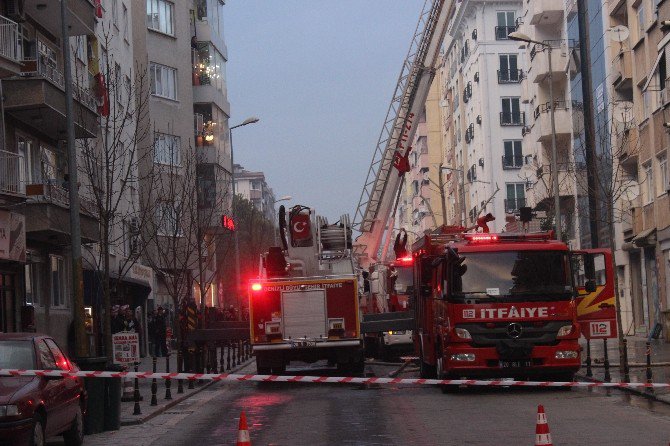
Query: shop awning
[[645, 238]]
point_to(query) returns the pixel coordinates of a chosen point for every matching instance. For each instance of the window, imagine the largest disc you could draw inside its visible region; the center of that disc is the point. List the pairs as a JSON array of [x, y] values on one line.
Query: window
[[125, 23], [509, 71], [167, 149], [58, 281], [117, 83], [415, 187], [513, 158], [506, 24], [511, 112], [61, 360], [32, 276], [641, 21], [80, 50], [47, 361], [115, 13], [163, 81], [167, 218], [663, 172], [649, 181], [516, 197], [131, 237], [255, 185], [160, 16]]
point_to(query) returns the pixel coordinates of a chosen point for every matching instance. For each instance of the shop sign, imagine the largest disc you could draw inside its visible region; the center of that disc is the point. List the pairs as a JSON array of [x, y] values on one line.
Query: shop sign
[[126, 348], [12, 236]]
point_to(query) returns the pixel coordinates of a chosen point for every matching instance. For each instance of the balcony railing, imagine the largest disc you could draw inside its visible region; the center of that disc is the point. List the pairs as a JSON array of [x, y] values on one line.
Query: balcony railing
[[512, 205], [512, 161], [503, 31], [510, 76], [9, 39], [35, 67], [512, 118], [11, 173], [54, 191]]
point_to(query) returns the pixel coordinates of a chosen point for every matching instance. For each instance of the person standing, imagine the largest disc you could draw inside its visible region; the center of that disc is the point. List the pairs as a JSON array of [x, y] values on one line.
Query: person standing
[[160, 327]]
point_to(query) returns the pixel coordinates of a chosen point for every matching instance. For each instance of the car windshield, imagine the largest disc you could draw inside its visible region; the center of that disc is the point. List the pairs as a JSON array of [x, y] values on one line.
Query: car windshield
[[514, 276], [17, 355]]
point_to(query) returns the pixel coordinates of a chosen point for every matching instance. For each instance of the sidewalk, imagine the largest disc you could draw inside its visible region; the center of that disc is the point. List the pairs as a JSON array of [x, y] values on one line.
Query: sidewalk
[[147, 410], [660, 360]]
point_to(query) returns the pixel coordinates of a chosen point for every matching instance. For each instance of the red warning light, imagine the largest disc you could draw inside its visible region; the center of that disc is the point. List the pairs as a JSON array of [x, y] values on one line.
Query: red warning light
[[256, 287], [482, 238], [405, 260]]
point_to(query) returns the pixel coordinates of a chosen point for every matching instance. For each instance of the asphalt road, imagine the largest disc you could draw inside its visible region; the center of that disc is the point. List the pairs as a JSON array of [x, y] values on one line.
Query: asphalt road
[[305, 414]]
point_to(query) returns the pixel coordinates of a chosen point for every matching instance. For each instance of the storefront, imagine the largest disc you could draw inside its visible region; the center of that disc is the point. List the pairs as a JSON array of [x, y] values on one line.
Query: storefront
[[12, 264]]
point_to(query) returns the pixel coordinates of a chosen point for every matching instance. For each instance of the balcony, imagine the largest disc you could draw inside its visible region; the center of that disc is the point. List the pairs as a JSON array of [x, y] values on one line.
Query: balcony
[[503, 31], [37, 99], [81, 19], [508, 119], [512, 205], [48, 216], [630, 150], [512, 162], [562, 119], [545, 12], [623, 72], [539, 66], [9, 48], [510, 76], [11, 174]]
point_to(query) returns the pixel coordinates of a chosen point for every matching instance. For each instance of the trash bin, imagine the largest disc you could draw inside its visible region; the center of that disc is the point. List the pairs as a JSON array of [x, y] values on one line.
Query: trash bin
[[113, 400], [94, 420]]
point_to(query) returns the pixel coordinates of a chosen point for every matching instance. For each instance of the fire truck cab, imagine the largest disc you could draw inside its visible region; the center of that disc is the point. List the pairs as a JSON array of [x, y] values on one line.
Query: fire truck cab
[[499, 305]]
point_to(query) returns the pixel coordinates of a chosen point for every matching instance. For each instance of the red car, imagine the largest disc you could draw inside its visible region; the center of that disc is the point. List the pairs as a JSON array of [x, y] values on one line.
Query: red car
[[33, 408]]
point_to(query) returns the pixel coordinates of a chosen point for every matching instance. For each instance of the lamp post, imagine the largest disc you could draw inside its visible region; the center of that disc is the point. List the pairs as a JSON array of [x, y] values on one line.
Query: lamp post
[[274, 230], [521, 37], [236, 238], [444, 205]]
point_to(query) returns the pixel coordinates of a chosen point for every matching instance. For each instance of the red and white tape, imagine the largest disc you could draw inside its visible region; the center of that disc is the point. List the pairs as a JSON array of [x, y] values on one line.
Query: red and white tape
[[229, 377]]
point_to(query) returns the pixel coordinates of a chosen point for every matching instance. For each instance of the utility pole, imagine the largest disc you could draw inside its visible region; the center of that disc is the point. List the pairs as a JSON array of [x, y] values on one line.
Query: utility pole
[[80, 346], [589, 125]]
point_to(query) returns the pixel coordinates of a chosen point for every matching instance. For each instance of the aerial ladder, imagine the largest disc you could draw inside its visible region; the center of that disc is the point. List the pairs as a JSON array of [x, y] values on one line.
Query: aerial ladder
[[390, 157], [374, 215]]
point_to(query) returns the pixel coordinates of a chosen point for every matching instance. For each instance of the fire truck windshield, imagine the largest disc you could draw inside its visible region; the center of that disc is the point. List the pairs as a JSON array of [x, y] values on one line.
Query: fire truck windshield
[[514, 276]]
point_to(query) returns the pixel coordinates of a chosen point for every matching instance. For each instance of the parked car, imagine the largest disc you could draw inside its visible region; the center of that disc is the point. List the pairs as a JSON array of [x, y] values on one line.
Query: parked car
[[34, 408]]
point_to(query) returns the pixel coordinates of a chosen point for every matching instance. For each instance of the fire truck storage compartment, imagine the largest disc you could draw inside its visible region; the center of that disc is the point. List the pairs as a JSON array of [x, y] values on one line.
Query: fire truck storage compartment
[[304, 313]]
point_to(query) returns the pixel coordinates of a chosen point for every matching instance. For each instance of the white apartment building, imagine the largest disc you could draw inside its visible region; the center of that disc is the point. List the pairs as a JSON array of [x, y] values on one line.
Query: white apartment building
[[484, 114], [253, 187]]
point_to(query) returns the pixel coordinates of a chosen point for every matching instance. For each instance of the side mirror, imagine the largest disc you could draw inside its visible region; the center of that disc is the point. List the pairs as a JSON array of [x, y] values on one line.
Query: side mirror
[[590, 286]]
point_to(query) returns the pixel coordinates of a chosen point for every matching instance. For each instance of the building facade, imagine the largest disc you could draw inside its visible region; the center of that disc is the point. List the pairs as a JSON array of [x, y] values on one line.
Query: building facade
[[253, 187]]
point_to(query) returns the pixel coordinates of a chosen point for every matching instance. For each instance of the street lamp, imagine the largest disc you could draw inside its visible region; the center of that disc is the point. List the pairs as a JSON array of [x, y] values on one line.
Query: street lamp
[[236, 238], [444, 204], [521, 37]]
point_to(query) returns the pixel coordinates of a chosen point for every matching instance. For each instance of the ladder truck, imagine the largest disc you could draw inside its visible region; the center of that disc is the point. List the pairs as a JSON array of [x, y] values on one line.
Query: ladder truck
[[304, 305], [374, 215]]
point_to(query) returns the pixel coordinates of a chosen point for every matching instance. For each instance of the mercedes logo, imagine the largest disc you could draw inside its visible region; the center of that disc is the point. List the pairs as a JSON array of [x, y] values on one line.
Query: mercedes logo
[[514, 330]]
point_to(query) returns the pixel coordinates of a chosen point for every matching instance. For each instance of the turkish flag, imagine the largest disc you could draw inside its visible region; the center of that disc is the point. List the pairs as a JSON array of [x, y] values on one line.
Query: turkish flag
[[300, 227]]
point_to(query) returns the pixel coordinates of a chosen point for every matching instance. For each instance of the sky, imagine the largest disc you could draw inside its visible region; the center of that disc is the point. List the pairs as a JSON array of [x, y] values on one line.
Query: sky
[[320, 75]]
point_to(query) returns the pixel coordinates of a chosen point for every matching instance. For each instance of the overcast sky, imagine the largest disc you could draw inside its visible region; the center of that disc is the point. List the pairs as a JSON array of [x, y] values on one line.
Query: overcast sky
[[320, 75]]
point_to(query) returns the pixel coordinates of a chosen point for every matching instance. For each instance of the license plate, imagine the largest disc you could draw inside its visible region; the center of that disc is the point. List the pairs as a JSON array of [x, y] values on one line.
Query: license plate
[[513, 364], [302, 344]]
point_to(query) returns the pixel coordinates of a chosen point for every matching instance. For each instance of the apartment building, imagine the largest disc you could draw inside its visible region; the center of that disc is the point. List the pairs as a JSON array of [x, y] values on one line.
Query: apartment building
[[420, 207], [34, 202], [643, 235], [181, 47], [483, 114], [253, 187]]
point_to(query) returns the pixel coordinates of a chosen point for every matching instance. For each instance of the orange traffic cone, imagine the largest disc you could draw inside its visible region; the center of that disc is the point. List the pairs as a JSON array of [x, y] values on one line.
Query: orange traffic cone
[[542, 434], [243, 438]]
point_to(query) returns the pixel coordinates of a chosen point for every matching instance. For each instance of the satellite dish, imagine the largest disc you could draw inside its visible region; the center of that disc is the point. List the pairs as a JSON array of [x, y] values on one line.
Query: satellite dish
[[619, 33], [622, 112]]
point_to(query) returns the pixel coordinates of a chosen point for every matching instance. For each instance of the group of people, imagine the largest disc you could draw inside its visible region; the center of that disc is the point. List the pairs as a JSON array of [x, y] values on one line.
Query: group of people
[[123, 319]]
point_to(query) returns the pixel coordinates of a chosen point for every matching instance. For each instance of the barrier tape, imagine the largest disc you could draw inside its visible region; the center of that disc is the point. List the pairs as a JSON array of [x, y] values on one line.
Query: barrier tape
[[229, 377]]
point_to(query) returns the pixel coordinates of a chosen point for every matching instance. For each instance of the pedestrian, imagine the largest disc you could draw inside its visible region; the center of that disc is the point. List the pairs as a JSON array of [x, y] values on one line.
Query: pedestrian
[[130, 323], [160, 328], [151, 330], [117, 319]]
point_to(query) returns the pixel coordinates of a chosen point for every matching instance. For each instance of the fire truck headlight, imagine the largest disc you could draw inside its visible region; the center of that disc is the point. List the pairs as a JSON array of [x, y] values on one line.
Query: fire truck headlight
[[469, 357], [566, 354], [565, 330], [462, 333]]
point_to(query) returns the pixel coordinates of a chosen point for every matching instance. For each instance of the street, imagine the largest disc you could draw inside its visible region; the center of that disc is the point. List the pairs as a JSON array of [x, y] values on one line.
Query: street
[[308, 414]]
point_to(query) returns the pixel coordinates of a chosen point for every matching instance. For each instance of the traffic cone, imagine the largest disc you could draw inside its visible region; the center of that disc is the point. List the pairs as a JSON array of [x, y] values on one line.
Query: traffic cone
[[243, 438], [542, 434]]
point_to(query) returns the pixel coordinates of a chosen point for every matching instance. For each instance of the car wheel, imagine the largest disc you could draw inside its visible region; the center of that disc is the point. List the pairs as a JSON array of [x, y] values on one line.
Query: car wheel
[[38, 436], [75, 435]]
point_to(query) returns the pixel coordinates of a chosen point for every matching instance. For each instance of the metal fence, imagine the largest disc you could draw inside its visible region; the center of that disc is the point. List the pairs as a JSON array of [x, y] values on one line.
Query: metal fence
[[12, 169], [9, 39]]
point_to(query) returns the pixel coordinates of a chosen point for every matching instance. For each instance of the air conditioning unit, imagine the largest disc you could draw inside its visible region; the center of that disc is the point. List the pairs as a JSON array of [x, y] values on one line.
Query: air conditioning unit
[[481, 162], [479, 119], [474, 34], [15, 10], [477, 76]]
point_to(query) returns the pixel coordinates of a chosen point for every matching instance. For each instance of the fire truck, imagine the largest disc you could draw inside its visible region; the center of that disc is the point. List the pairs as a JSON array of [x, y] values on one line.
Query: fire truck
[[304, 306], [506, 305]]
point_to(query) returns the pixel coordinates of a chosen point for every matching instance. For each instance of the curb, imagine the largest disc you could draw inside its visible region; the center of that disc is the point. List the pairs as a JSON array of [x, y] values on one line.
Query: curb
[[175, 401], [648, 395]]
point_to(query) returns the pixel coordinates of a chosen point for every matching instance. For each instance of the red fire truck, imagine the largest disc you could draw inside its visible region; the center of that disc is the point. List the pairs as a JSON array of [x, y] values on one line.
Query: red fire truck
[[505, 305], [304, 305]]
